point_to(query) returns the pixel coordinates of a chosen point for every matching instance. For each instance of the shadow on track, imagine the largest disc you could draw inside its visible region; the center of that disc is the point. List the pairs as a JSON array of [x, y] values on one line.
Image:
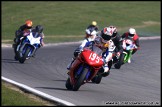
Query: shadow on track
[[9, 61], [53, 88]]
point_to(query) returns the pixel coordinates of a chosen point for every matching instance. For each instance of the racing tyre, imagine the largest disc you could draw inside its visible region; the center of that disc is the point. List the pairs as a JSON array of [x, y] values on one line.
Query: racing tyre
[[22, 60], [68, 85], [121, 61], [97, 79], [80, 80]]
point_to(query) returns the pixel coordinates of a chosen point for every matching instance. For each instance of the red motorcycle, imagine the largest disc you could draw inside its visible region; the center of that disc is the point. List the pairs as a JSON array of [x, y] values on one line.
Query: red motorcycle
[[85, 67]]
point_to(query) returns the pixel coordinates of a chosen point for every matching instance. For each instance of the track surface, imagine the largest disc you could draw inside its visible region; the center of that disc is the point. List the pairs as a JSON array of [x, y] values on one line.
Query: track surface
[[137, 82]]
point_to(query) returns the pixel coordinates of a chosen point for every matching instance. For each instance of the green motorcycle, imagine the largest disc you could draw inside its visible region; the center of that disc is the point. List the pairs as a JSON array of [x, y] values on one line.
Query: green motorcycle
[[128, 47]]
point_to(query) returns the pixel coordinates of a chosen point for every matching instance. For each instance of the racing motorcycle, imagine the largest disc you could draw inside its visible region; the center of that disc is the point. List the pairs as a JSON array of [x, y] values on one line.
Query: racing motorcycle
[[28, 45], [85, 67], [128, 47]]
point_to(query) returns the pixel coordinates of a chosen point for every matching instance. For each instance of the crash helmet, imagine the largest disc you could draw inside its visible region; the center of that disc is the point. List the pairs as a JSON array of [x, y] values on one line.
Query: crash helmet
[[131, 32], [106, 33], [39, 28], [29, 24], [91, 31]]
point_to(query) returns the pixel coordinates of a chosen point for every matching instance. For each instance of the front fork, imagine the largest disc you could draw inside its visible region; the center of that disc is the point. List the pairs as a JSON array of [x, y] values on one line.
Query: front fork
[[128, 55], [20, 49]]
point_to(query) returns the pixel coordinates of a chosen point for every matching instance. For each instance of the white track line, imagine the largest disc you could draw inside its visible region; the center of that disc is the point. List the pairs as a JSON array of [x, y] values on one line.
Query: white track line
[[68, 43], [36, 92]]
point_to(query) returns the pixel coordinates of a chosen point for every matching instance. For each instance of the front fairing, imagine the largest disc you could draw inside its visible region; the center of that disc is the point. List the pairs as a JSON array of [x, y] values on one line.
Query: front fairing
[[28, 41], [32, 39], [92, 56]]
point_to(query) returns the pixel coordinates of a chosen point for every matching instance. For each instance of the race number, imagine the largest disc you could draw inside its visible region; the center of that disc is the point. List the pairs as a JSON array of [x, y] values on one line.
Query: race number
[[94, 56]]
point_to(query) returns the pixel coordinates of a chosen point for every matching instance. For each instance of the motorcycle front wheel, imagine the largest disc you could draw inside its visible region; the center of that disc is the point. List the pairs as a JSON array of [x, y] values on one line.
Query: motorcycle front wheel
[[22, 59], [80, 79], [68, 84]]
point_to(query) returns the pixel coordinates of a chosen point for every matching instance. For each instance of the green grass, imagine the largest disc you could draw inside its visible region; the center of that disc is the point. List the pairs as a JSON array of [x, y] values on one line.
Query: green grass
[[71, 18], [11, 97]]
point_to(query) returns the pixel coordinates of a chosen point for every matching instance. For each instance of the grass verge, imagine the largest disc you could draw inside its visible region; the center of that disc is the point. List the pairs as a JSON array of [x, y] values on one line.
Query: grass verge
[[13, 96]]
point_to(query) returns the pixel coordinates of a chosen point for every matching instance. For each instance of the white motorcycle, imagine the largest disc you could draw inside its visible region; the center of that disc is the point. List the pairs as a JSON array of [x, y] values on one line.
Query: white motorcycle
[[28, 45]]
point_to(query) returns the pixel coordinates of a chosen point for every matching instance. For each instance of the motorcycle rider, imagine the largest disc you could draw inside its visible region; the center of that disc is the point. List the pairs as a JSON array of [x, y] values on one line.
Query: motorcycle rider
[[131, 34], [19, 33], [91, 33], [116, 38], [103, 40]]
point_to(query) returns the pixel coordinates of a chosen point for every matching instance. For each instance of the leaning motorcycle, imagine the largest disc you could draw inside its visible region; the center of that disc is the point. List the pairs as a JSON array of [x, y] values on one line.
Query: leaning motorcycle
[[28, 45], [85, 67], [128, 47]]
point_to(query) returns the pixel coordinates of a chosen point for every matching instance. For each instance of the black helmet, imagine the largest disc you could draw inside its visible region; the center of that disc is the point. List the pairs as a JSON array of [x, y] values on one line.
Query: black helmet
[[39, 28], [92, 27]]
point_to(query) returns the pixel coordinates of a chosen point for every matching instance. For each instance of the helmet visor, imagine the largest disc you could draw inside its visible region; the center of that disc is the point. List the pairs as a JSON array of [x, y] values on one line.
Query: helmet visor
[[106, 37], [131, 35]]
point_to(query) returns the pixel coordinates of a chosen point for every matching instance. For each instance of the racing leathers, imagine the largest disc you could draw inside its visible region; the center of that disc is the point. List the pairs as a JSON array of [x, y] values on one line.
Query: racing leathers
[[108, 48], [19, 33], [117, 39], [135, 40]]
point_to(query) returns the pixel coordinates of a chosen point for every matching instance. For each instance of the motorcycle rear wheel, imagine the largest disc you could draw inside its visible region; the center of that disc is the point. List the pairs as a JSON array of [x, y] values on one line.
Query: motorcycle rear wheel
[[120, 62], [97, 79], [22, 60]]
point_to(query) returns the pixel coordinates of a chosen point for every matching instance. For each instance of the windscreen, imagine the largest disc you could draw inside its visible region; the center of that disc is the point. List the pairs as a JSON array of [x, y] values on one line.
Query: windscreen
[[95, 49]]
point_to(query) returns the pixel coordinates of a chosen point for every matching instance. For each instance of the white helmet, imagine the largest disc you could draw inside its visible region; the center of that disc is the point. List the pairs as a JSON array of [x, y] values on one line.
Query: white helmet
[[132, 31], [106, 33], [91, 31], [113, 30]]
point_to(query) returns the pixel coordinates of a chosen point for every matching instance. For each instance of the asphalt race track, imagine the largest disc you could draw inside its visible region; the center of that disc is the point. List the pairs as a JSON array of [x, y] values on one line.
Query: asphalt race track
[[135, 83]]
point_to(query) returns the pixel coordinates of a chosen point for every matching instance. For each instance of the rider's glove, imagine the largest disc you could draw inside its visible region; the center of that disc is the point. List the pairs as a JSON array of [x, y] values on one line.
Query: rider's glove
[[118, 54], [18, 32], [77, 51]]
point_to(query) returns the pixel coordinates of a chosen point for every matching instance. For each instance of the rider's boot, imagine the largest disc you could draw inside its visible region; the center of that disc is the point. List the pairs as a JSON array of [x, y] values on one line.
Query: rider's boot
[[69, 65], [68, 72], [129, 60]]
